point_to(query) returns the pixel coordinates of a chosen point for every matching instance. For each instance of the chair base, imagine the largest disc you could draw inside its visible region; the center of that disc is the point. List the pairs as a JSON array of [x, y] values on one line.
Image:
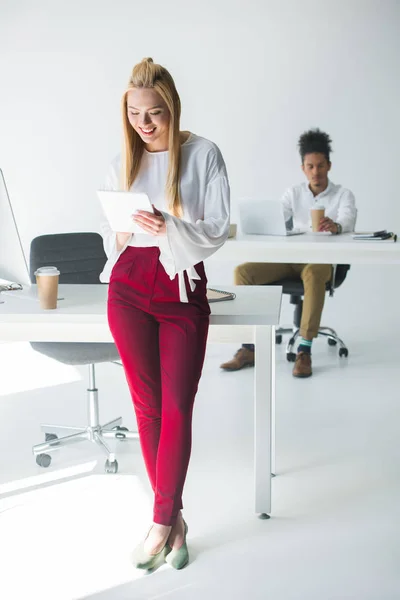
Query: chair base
[[328, 332], [94, 432]]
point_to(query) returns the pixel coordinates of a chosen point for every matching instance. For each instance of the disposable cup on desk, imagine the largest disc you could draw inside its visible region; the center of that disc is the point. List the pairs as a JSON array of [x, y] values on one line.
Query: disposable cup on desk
[[317, 213], [47, 285], [232, 231]]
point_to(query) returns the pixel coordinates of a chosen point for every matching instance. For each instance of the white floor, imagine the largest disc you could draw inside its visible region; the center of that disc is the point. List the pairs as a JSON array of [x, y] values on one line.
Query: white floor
[[335, 525]]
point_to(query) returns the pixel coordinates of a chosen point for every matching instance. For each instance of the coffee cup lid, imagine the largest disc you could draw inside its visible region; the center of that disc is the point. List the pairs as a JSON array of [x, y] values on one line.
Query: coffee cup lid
[[47, 271], [318, 207]]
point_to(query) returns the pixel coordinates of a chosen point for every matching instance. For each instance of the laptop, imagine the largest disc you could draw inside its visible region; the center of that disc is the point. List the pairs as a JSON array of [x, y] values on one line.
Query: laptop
[[13, 264], [265, 218], [14, 271]]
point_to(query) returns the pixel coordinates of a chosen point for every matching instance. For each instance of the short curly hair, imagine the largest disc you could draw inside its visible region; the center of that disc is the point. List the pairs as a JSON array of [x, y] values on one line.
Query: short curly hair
[[315, 140]]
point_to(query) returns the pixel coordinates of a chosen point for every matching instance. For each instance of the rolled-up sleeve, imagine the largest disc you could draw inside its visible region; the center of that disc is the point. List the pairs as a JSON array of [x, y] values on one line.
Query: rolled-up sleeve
[[347, 212]]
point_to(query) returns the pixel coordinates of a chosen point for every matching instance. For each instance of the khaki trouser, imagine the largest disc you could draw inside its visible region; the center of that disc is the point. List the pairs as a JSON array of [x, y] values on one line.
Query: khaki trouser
[[314, 279]]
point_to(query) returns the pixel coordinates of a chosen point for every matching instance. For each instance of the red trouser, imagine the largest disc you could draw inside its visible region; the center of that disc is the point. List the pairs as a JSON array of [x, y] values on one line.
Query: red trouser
[[162, 343]]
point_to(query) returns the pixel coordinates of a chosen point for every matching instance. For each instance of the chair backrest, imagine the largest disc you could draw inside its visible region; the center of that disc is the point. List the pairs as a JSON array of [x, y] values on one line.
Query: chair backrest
[[80, 257], [294, 287], [340, 275], [341, 270]]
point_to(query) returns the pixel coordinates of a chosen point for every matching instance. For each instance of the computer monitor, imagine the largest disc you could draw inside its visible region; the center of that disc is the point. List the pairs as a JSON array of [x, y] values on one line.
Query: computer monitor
[[13, 264]]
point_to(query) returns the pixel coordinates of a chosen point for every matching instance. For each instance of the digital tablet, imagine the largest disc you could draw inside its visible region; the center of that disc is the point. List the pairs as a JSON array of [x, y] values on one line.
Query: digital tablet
[[119, 207]]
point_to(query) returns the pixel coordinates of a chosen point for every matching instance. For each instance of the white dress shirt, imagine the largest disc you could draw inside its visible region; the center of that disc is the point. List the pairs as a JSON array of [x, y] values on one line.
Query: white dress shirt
[[339, 204], [205, 197]]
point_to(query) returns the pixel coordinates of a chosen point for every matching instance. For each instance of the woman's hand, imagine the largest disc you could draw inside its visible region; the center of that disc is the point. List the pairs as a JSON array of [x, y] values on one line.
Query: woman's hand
[[326, 224], [152, 223]]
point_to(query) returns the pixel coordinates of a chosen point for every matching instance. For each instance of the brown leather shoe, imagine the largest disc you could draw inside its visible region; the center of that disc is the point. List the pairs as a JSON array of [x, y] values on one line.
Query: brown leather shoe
[[302, 366], [243, 358]]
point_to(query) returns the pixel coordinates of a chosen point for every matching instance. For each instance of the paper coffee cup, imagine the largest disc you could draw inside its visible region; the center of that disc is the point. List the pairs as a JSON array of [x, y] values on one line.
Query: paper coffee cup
[[232, 230], [47, 285], [317, 213]]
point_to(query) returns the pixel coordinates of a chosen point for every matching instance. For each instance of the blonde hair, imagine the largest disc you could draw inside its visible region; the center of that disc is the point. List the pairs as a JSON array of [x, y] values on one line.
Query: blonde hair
[[147, 74]]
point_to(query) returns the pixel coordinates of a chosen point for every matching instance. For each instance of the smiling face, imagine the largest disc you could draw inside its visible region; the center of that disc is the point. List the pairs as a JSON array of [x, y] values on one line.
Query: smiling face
[[149, 116]]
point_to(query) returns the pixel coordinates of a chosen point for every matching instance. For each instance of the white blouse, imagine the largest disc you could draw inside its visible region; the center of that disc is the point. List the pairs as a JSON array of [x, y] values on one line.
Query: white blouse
[[205, 197]]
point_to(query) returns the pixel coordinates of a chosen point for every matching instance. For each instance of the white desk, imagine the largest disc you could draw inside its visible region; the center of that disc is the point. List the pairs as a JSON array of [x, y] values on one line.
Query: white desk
[[308, 248], [251, 318]]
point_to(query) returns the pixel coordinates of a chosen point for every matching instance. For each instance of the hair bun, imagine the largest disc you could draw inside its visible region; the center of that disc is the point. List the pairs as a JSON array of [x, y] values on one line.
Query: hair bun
[[148, 60]]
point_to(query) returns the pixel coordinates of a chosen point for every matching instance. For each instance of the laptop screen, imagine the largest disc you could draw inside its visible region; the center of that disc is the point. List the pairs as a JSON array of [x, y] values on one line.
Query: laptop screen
[[13, 264]]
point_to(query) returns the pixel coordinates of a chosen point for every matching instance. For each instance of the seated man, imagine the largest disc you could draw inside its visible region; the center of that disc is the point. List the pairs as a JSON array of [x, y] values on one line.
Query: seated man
[[340, 216]]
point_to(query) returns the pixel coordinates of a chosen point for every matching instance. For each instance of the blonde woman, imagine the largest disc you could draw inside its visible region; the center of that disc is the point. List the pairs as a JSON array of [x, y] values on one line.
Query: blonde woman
[[157, 305]]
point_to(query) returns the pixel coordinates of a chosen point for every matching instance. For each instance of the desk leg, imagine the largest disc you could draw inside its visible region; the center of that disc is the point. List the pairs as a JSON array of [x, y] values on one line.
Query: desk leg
[[273, 400], [264, 375]]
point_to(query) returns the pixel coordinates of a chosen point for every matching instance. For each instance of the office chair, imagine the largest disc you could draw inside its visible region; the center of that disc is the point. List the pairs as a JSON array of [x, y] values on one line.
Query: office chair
[[80, 258], [295, 289]]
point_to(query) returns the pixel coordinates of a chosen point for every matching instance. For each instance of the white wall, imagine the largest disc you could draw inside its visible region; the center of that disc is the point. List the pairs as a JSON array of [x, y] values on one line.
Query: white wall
[[252, 76]]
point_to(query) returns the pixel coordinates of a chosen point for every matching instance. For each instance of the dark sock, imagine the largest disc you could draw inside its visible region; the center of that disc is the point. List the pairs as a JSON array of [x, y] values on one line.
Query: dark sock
[[248, 347], [305, 346]]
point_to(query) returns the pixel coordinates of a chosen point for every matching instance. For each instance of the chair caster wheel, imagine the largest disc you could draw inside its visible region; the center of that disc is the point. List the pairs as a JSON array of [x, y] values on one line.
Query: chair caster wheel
[[343, 352], [49, 437], [278, 339], [332, 342], [43, 460], [291, 357], [120, 432], [111, 467]]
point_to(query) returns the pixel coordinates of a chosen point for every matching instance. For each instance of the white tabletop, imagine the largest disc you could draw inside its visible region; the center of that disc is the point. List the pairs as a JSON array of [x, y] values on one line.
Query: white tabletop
[[310, 248], [82, 314]]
